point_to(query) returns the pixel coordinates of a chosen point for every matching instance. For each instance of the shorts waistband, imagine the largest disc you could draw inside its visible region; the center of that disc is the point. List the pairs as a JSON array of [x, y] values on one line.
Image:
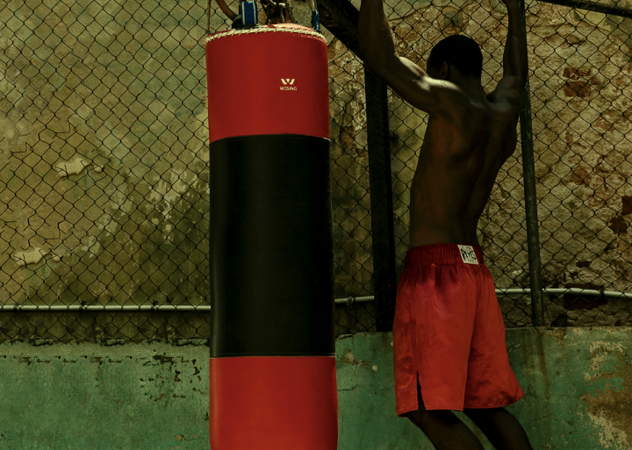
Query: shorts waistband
[[440, 254]]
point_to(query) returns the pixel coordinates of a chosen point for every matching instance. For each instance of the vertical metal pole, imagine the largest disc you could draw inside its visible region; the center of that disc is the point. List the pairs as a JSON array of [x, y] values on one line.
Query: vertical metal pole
[[528, 167], [385, 286]]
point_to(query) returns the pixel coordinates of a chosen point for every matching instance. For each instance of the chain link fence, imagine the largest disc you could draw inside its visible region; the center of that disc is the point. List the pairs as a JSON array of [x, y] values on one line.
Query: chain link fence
[[579, 77], [416, 29], [581, 120], [104, 194]]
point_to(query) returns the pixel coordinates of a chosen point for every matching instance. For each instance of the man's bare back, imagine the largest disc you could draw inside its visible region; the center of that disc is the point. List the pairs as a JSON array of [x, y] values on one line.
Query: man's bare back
[[470, 133], [458, 164]]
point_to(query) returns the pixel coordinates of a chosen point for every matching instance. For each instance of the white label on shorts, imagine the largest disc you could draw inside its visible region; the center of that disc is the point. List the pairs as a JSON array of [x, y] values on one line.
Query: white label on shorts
[[467, 254]]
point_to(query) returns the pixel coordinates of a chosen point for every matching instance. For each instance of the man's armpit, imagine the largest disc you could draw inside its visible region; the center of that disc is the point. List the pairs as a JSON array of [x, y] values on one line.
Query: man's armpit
[[507, 93], [414, 85]]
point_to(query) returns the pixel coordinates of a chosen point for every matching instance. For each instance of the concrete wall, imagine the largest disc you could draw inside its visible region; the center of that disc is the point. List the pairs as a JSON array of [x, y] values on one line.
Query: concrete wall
[[577, 384]]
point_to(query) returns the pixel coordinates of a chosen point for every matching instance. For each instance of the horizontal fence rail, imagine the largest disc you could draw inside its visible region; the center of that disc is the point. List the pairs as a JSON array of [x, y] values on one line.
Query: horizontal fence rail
[[551, 291], [340, 301]]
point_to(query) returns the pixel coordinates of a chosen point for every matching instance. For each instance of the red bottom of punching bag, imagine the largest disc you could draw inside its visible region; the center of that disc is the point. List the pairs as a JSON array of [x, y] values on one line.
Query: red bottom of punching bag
[[273, 403]]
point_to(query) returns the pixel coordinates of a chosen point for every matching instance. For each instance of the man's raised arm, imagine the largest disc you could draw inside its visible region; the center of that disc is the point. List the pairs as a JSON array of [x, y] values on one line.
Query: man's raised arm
[[374, 35], [515, 61], [402, 75]]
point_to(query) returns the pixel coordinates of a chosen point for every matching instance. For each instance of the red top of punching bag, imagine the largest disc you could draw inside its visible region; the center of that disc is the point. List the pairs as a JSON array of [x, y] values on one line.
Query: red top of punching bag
[[267, 80]]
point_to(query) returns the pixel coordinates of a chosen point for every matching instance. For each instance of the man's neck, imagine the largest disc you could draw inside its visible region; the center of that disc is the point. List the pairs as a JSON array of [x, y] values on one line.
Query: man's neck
[[472, 86]]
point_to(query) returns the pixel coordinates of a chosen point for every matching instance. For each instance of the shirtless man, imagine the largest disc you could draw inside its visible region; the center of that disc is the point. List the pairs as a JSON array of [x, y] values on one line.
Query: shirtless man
[[449, 350]]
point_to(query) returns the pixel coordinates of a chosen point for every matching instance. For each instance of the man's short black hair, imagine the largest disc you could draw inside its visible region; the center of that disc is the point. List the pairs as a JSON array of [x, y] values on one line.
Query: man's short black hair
[[460, 52]]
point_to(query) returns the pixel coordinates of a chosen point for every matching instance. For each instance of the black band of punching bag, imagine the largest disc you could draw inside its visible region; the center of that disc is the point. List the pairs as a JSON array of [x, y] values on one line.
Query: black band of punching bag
[[271, 218]]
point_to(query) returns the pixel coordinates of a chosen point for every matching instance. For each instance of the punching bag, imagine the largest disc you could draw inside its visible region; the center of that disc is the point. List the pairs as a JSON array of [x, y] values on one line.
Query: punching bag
[[272, 357]]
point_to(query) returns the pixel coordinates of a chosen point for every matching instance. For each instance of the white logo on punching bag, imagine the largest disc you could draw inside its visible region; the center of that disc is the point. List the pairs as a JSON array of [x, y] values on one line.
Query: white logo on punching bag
[[287, 81]]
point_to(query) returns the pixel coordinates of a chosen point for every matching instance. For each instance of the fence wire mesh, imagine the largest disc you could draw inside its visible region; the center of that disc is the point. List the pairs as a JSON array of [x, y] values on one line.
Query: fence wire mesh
[[580, 95], [104, 164], [581, 120], [502, 230], [104, 168]]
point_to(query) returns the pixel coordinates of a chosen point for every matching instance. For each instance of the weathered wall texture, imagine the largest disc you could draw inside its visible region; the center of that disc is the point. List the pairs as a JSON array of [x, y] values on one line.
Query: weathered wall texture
[[150, 396], [106, 328], [576, 382], [580, 100], [84, 396], [103, 152]]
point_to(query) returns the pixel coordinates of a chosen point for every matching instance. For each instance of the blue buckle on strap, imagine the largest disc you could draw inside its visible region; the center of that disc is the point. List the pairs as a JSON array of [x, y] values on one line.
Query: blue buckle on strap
[[249, 13]]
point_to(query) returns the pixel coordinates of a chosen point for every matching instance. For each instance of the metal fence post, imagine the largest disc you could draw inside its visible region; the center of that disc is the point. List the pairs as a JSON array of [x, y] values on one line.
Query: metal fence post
[[528, 167], [384, 277]]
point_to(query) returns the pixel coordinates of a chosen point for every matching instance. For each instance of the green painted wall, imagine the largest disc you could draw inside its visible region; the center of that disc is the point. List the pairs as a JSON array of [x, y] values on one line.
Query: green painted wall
[[91, 397], [577, 383]]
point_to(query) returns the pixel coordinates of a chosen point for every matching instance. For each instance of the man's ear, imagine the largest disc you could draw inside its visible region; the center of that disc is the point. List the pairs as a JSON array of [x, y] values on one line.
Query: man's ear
[[444, 71]]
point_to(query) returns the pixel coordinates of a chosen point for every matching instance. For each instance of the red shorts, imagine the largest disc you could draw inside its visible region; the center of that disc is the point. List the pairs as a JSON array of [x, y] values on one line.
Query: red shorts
[[449, 332]]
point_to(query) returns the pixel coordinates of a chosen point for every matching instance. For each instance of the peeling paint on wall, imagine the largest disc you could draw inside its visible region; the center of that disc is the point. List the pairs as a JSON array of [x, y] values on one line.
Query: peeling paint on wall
[[349, 359], [610, 407], [32, 256], [74, 167]]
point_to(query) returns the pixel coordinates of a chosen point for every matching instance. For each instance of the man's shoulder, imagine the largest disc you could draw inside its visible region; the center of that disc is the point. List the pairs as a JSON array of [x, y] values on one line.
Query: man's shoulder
[[507, 94], [456, 103]]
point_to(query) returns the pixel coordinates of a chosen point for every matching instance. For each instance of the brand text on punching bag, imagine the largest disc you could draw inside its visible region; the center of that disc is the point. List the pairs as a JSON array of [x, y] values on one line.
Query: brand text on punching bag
[[287, 81]]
